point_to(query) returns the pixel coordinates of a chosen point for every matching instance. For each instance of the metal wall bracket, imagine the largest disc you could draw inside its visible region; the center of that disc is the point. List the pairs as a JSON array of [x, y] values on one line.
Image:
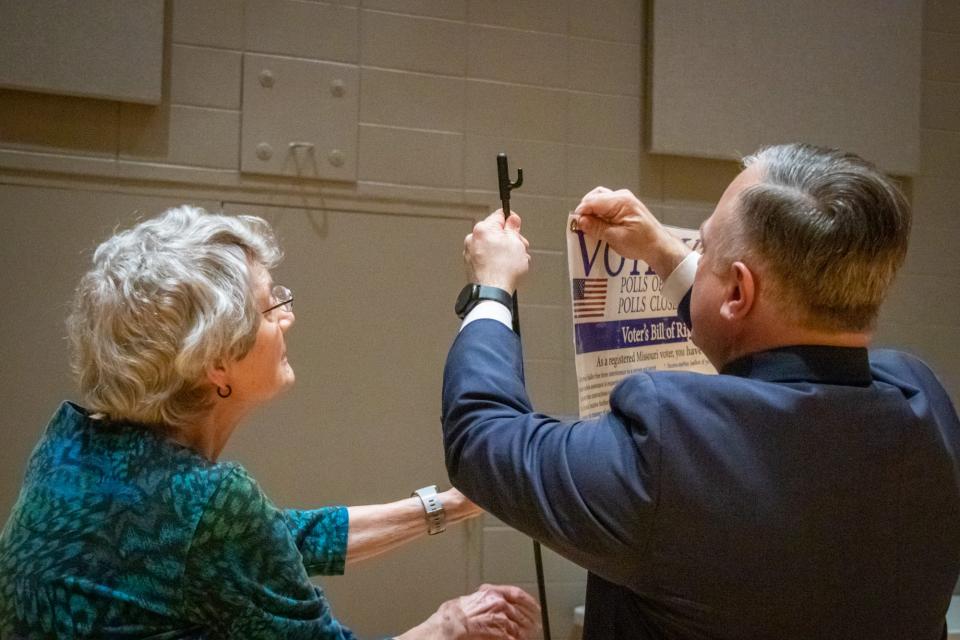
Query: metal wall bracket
[[299, 118]]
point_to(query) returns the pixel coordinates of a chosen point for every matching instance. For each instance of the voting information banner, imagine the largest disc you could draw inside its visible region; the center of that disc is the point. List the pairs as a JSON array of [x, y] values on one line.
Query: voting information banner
[[622, 323]]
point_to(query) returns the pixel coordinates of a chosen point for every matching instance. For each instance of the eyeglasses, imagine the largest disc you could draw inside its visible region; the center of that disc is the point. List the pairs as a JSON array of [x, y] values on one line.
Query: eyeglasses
[[284, 298]]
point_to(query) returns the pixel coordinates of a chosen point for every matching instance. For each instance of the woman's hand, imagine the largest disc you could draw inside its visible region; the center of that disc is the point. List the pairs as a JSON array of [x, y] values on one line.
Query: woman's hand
[[492, 611]]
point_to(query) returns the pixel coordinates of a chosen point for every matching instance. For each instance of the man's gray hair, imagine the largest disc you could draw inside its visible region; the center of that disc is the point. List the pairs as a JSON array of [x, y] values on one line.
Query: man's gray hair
[[831, 227], [163, 302]]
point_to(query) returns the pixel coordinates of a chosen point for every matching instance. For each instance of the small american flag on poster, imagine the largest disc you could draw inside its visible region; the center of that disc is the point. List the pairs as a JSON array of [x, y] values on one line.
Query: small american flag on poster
[[589, 297]]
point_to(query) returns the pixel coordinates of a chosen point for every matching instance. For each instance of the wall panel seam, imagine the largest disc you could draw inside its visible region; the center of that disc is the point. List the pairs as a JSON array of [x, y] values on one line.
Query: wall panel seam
[[416, 16]]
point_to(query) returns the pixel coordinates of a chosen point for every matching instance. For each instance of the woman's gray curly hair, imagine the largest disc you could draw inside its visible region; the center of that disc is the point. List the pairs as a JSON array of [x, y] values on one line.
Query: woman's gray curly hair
[[163, 302]]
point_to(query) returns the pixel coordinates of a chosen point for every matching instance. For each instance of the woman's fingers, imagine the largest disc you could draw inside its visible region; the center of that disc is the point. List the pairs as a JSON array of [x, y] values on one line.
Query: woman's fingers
[[519, 598], [515, 603]]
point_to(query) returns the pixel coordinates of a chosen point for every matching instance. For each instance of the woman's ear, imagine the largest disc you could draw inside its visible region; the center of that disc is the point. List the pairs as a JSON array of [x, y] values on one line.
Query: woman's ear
[[217, 374], [741, 293]]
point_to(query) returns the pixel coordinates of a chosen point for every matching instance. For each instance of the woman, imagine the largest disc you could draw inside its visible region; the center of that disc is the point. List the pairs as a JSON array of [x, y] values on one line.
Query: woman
[[128, 527]]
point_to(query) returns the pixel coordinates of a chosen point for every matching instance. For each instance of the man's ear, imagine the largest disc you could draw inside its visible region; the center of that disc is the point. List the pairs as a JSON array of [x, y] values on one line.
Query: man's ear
[[741, 292]]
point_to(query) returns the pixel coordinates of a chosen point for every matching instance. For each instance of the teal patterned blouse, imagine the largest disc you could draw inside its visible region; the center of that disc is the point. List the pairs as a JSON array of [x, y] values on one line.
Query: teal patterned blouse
[[120, 532]]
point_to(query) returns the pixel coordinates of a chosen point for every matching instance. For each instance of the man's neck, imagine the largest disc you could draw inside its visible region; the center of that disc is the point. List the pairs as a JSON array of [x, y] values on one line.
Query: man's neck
[[789, 336]]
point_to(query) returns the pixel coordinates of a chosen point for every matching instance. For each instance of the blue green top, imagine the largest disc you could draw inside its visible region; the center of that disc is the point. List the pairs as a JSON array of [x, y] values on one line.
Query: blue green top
[[119, 532]]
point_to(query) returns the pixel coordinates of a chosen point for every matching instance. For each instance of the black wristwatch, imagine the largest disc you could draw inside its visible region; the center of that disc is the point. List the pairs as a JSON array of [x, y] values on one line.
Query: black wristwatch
[[473, 294]]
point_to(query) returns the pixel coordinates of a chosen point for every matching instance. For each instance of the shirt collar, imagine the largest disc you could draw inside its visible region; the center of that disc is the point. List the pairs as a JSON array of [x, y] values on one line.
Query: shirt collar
[[805, 363]]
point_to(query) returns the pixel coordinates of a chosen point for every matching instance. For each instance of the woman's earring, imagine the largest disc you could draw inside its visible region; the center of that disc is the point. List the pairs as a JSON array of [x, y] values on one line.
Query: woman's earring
[[224, 394]]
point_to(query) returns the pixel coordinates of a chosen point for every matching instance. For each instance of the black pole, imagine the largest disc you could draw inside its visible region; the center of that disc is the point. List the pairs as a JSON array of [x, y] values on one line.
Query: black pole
[[503, 178]]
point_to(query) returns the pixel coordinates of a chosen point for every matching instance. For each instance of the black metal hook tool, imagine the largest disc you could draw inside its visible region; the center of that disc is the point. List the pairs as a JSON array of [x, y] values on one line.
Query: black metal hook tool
[[503, 177]]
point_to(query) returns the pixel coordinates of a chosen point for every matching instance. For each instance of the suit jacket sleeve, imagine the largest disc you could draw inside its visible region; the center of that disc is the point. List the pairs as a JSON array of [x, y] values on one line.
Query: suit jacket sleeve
[[587, 489]]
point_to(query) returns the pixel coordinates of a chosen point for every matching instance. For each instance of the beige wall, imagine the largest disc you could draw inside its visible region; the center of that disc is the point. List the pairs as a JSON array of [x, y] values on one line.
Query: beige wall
[[923, 312], [443, 85]]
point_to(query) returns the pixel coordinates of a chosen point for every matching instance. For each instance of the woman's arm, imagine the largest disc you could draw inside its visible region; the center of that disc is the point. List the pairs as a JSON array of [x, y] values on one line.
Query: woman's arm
[[244, 575], [378, 528]]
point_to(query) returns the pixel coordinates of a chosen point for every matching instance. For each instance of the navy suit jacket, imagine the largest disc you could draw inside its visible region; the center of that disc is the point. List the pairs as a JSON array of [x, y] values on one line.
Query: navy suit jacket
[[805, 492]]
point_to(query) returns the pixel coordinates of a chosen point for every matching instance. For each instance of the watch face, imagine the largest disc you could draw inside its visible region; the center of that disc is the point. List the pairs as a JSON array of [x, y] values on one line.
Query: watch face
[[467, 294]]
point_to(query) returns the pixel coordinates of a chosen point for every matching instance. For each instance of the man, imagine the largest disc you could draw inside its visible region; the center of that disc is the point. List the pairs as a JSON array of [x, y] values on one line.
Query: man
[[810, 490]]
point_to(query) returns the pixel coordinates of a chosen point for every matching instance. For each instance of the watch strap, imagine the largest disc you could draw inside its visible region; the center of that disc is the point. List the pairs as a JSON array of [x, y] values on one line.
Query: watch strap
[[496, 294], [473, 294], [432, 509]]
